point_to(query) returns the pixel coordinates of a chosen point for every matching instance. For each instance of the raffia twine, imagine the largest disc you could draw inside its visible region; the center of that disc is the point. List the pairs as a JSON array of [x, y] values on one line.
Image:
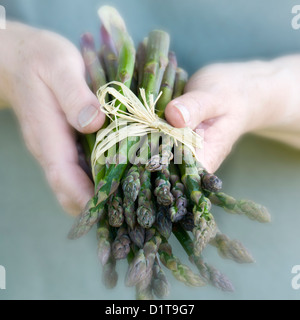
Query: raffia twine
[[139, 119]]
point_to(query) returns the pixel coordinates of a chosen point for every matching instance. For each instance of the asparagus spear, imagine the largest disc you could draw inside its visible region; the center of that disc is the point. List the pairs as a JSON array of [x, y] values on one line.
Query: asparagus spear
[[231, 249], [180, 271], [248, 208], [211, 182], [160, 284], [156, 61], [145, 212], [109, 275], [167, 85], [144, 289], [161, 160], [163, 188], [163, 222], [137, 235], [158, 162], [108, 55], [97, 76], [209, 273], [141, 60], [121, 245], [131, 183], [92, 63], [151, 248], [104, 241], [129, 213], [180, 82], [85, 221], [212, 275], [205, 226], [188, 222], [137, 270], [115, 209], [179, 208]]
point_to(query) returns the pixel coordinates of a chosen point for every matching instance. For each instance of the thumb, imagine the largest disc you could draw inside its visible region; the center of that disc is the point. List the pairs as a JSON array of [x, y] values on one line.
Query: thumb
[[192, 108], [77, 101]]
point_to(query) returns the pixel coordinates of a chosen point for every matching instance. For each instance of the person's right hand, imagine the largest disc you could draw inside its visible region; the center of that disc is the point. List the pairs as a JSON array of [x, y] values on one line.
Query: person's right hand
[[226, 100], [42, 78]]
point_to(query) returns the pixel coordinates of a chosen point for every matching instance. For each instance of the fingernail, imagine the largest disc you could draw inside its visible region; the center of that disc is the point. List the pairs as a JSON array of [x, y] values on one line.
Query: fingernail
[[184, 112], [87, 115]]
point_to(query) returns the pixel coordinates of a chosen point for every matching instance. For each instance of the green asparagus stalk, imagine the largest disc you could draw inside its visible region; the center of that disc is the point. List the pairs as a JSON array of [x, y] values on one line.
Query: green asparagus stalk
[[179, 208], [150, 250], [167, 85], [188, 222], [141, 60], [180, 271], [163, 188], [144, 289], [121, 245], [131, 183], [248, 208], [161, 160], [160, 284], [180, 82], [104, 241], [163, 222], [92, 63], [137, 235], [109, 56], [156, 61], [149, 234], [85, 221], [115, 209], [129, 212], [137, 270], [97, 77], [145, 212], [231, 249], [205, 226], [210, 274], [109, 275], [211, 182]]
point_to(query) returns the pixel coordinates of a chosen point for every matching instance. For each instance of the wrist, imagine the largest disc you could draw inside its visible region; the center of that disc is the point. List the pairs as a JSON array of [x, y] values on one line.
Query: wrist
[[13, 42], [280, 93]]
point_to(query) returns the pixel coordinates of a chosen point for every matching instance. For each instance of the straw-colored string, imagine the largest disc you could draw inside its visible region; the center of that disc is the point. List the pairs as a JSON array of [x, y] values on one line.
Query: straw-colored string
[[139, 119]]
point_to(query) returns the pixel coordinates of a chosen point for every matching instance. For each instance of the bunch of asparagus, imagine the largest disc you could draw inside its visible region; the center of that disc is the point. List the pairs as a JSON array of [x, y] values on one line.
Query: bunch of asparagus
[[139, 204]]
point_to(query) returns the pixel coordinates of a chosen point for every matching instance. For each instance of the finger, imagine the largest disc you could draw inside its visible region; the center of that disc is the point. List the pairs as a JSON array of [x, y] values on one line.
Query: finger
[[80, 105], [192, 108], [219, 136], [57, 151], [70, 183]]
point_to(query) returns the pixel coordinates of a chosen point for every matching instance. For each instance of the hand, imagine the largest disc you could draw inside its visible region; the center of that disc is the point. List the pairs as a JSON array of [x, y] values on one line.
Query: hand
[[43, 79], [228, 100]]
